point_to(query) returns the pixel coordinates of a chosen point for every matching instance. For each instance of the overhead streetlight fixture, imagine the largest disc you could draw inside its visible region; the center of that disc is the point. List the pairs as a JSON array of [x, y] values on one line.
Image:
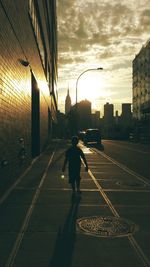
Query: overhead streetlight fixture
[[100, 68]]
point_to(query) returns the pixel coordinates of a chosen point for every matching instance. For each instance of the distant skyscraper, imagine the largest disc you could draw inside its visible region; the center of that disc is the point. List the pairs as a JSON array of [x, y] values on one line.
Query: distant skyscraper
[[108, 120], [116, 117], [84, 113], [95, 119], [108, 114], [126, 115], [67, 103]]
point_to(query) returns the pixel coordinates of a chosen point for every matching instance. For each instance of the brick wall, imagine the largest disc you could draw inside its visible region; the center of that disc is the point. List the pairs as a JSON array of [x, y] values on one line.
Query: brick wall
[[17, 41]]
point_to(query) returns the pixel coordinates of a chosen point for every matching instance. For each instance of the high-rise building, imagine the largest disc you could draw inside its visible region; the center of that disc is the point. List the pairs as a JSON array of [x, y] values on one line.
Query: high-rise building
[[108, 114], [108, 120], [84, 113], [126, 115], [141, 82], [80, 116], [95, 119], [67, 103]]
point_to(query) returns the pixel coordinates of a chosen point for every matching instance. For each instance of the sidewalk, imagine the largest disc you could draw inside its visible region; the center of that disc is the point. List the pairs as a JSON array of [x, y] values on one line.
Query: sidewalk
[[45, 221]]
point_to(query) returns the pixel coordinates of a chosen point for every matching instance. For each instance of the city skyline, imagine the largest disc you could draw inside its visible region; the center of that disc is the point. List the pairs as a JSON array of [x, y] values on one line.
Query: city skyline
[[69, 106], [96, 34]]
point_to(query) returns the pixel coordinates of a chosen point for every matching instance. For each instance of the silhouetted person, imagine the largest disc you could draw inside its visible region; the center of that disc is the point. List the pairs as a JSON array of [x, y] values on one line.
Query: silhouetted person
[[73, 158]]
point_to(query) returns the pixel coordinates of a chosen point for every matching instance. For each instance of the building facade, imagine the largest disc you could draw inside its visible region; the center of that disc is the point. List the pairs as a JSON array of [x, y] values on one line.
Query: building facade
[[108, 120], [28, 76], [126, 115], [141, 82], [95, 120], [84, 115], [141, 94]]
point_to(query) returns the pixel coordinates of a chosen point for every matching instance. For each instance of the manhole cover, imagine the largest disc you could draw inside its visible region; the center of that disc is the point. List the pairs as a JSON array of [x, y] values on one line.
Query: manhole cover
[[130, 184], [106, 226]]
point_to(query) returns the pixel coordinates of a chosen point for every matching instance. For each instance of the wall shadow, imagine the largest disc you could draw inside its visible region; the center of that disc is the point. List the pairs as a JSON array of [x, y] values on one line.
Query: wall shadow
[[64, 246]]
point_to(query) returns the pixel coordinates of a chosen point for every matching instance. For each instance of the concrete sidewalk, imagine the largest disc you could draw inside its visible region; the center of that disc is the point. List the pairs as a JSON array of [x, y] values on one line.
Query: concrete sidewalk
[[40, 225]]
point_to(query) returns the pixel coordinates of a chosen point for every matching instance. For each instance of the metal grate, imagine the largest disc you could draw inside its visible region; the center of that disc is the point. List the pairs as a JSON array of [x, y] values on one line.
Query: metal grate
[[106, 226]]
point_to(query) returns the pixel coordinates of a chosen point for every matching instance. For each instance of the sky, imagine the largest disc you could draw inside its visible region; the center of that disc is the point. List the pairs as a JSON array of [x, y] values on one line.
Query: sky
[[99, 33]]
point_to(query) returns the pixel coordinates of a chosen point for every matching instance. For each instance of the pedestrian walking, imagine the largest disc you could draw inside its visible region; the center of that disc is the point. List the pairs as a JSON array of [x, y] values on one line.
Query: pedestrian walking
[[73, 157]]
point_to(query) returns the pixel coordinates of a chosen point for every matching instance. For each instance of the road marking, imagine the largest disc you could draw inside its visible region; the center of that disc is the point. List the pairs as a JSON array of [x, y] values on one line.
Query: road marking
[[7, 193], [24, 226], [115, 213], [127, 148], [57, 189], [133, 242], [126, 169], [139, 251], [126, 190], [131, 206]]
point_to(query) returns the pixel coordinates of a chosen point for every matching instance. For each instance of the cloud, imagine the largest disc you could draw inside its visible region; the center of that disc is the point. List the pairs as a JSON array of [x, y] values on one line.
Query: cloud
[[66, 59], [106, 33], [97, 22]]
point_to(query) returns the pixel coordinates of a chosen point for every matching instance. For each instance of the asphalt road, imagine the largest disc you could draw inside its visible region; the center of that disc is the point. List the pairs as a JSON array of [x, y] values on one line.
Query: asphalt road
[[132, 155]]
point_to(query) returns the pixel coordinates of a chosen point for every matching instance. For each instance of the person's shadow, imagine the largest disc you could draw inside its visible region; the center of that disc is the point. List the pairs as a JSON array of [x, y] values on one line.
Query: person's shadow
[[64, 247]]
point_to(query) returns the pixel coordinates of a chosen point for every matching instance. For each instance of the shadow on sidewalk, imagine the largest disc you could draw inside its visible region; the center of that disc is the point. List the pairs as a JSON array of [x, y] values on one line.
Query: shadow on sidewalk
[[64, 247]]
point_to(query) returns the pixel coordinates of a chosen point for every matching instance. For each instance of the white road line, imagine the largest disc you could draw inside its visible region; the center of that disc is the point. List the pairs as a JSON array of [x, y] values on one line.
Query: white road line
[[131, 206], [24, 226], [127, 148], [55, 189], [123, 167], [126, 190], [7, 193], [133, 242], [114, 212]]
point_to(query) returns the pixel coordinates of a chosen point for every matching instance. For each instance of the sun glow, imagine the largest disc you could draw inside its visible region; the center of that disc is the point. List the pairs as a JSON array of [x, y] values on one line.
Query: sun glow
[[92, 87]]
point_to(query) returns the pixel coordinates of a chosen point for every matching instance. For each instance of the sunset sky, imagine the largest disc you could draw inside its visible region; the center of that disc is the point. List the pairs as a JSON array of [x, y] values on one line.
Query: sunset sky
[[100, 33]]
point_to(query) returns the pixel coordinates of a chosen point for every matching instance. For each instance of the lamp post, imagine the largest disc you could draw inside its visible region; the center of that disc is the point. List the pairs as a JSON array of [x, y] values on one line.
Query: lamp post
[[77, 93], [79, 78]]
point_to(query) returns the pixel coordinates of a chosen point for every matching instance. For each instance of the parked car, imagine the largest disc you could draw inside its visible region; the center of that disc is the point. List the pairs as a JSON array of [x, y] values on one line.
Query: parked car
[[92, 136]]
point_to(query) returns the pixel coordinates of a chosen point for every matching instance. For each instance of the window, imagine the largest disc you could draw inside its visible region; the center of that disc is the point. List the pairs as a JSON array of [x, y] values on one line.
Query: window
[[37, 31]]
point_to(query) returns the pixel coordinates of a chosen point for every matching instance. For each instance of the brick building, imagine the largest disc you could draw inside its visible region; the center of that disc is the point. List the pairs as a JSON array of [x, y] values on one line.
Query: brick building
[[28, 75]]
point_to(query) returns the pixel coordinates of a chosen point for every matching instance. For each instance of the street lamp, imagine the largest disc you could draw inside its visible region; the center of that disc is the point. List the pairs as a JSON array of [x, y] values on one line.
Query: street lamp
[[79, 78]]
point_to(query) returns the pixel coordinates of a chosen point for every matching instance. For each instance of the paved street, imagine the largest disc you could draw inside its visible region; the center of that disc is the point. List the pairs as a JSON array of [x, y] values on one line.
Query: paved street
[[43, 225], [133, 155]]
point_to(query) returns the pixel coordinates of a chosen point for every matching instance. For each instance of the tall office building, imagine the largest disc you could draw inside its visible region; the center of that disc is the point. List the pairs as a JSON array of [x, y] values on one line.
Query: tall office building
[[108, 120], [141, 82], [84, 113], [108, 114], [95, 119], [67, 103], [126, 115], [80, 116]]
